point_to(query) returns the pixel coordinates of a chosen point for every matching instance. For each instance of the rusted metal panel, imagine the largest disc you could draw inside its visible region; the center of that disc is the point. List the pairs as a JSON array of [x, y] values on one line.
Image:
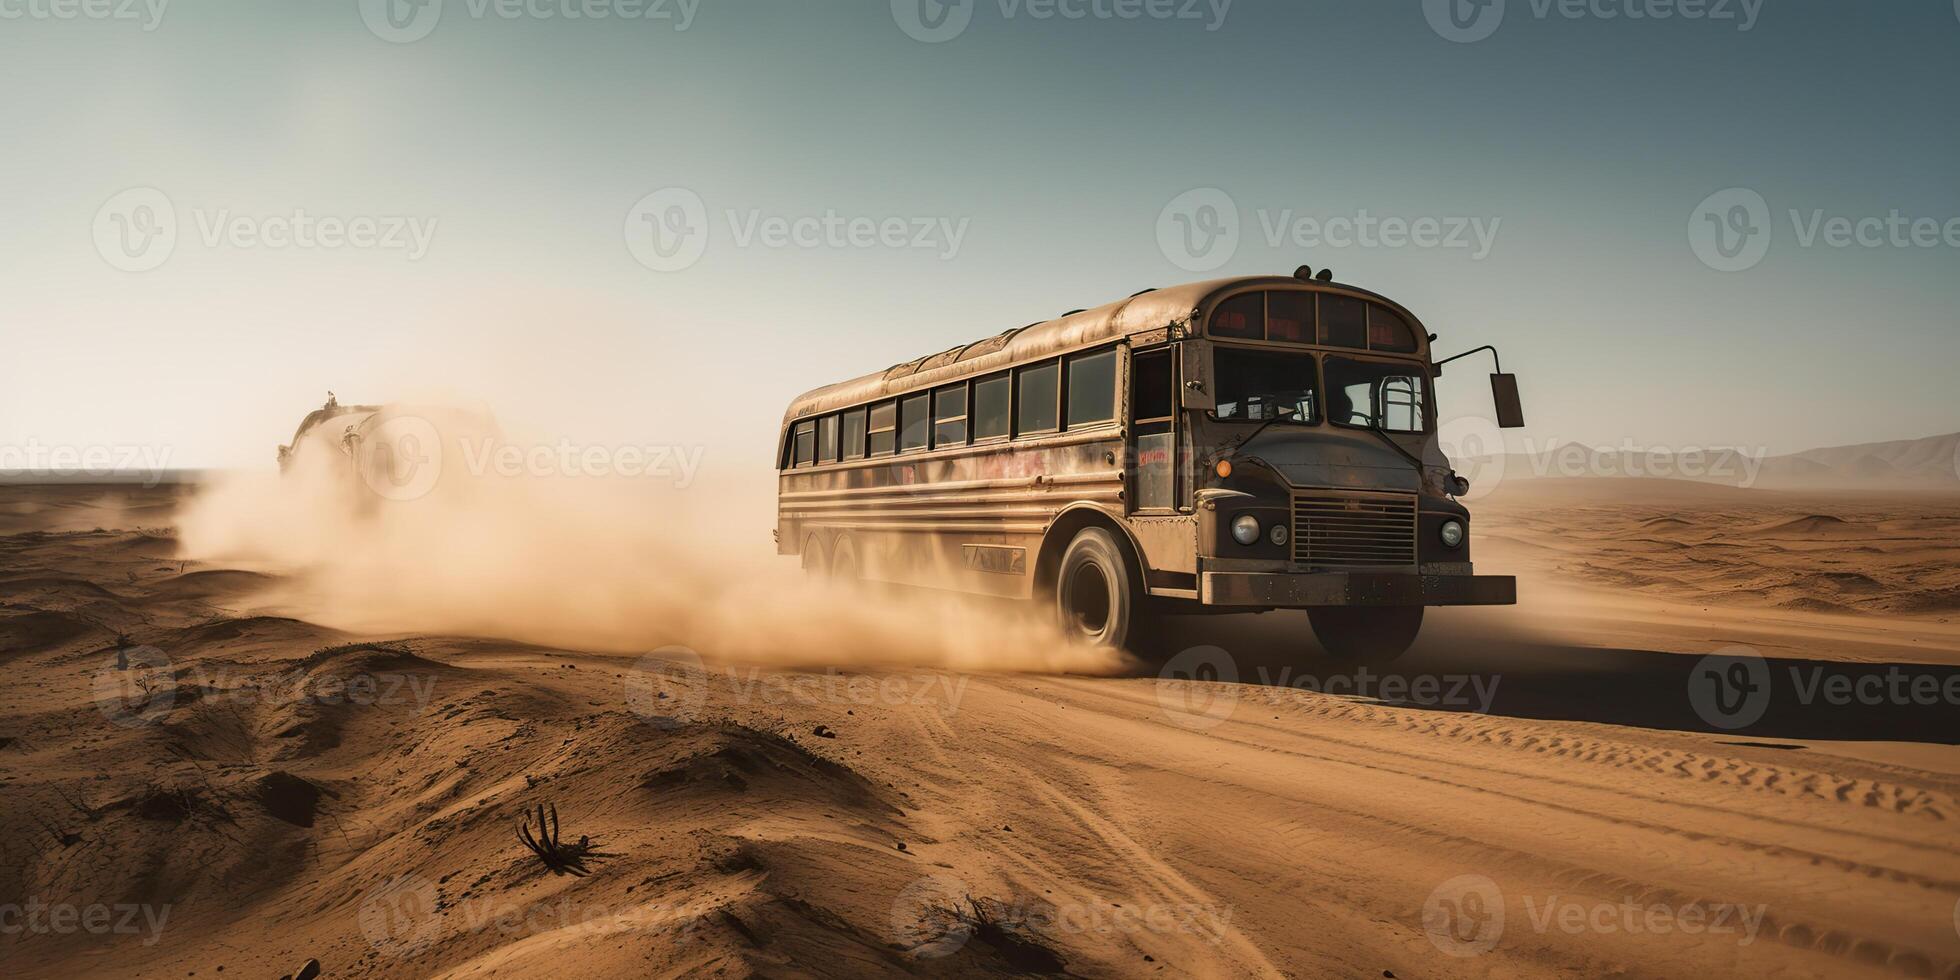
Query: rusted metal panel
[[1170, 544], [920, 518]]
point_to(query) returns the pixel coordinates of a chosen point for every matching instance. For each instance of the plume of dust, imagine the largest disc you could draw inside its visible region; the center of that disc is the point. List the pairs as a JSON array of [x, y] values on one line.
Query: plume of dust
[[608, 563]]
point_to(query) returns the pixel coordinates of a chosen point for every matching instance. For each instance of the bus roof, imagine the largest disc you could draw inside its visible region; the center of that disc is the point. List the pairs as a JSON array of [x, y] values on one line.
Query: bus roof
[[1152, 309]]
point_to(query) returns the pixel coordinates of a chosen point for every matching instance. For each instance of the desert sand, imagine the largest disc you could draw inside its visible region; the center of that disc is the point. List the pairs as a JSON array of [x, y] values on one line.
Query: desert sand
[[1532, 792]]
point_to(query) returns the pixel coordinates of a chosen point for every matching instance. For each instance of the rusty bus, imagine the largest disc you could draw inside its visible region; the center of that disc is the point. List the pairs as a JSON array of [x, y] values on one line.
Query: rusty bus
[[1239, 445]]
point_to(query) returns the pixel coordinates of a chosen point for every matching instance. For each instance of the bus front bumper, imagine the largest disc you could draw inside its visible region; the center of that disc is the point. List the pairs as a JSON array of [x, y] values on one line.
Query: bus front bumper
[[1274, 590]]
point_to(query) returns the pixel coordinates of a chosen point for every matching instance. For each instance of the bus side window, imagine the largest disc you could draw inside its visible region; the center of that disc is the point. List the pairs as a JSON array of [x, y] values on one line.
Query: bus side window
[[806, 444], [913, 426], [827, 439], [1091, 388], [884, 428], [1153, 395], [993, 400], [854, 434], [949, 416], [1035, 401]]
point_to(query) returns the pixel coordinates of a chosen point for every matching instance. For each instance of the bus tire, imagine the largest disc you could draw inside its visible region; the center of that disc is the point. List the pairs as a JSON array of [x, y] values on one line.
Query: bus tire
[[1098, 593], [815, 563], [844, 561], [1364, 634]]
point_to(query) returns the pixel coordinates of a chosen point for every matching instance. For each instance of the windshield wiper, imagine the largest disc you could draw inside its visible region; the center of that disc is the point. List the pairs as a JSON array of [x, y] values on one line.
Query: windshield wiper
[[1375, 427], [1250, 435]]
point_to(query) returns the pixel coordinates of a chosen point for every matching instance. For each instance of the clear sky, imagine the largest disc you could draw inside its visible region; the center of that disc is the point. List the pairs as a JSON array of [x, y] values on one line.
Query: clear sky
[[1040, 154]]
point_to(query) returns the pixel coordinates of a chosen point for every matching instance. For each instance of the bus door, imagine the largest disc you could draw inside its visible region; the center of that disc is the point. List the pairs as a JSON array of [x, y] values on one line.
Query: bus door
[[1153, 430]]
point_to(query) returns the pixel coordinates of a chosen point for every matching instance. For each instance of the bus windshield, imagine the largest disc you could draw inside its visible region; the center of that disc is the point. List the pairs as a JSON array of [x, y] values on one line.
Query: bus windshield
[[1377, 395], [1261, 386]]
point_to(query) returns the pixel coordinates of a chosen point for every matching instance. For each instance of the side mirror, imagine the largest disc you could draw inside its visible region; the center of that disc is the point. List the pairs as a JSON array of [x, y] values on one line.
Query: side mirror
[[1504, 392]]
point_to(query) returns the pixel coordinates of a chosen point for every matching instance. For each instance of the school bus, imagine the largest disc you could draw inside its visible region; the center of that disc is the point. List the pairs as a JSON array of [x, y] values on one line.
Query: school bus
[[1236, 445]]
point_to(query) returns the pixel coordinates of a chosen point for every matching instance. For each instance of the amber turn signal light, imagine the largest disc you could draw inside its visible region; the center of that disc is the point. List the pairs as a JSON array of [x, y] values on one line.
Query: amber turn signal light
[[1223, 469]]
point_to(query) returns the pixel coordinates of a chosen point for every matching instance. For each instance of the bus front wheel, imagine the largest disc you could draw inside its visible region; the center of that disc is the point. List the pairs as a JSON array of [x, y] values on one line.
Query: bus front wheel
[[1097, 593], [1370, 635]]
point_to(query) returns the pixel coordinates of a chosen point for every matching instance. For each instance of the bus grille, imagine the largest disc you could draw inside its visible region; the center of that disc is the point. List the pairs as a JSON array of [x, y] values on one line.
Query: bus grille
[[1350, 530]]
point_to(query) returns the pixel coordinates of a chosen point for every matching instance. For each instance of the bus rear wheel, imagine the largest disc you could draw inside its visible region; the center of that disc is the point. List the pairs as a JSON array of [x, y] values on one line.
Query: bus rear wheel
[[844, 562], [815, 563], [1366, 635], [1097, 594]]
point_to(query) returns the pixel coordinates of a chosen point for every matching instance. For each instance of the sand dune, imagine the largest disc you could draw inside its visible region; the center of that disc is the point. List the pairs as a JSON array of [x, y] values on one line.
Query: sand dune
[[264, 790]]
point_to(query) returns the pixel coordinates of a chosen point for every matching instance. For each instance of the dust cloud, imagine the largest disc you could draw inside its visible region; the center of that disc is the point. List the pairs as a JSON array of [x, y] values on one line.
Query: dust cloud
[[528, 547]]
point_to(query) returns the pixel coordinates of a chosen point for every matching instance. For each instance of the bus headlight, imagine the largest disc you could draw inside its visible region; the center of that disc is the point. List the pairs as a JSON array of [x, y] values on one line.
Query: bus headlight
[[1451, 533], [1245, 529], [1279, 535]]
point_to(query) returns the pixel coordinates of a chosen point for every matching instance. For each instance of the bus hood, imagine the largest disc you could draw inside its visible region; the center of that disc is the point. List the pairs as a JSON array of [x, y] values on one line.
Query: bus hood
[[1350, 458]]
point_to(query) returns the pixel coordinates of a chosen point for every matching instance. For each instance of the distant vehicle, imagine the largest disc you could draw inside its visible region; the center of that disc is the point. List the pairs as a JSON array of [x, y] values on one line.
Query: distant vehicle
[[332, 428], [1234, 445], [379, 452]]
